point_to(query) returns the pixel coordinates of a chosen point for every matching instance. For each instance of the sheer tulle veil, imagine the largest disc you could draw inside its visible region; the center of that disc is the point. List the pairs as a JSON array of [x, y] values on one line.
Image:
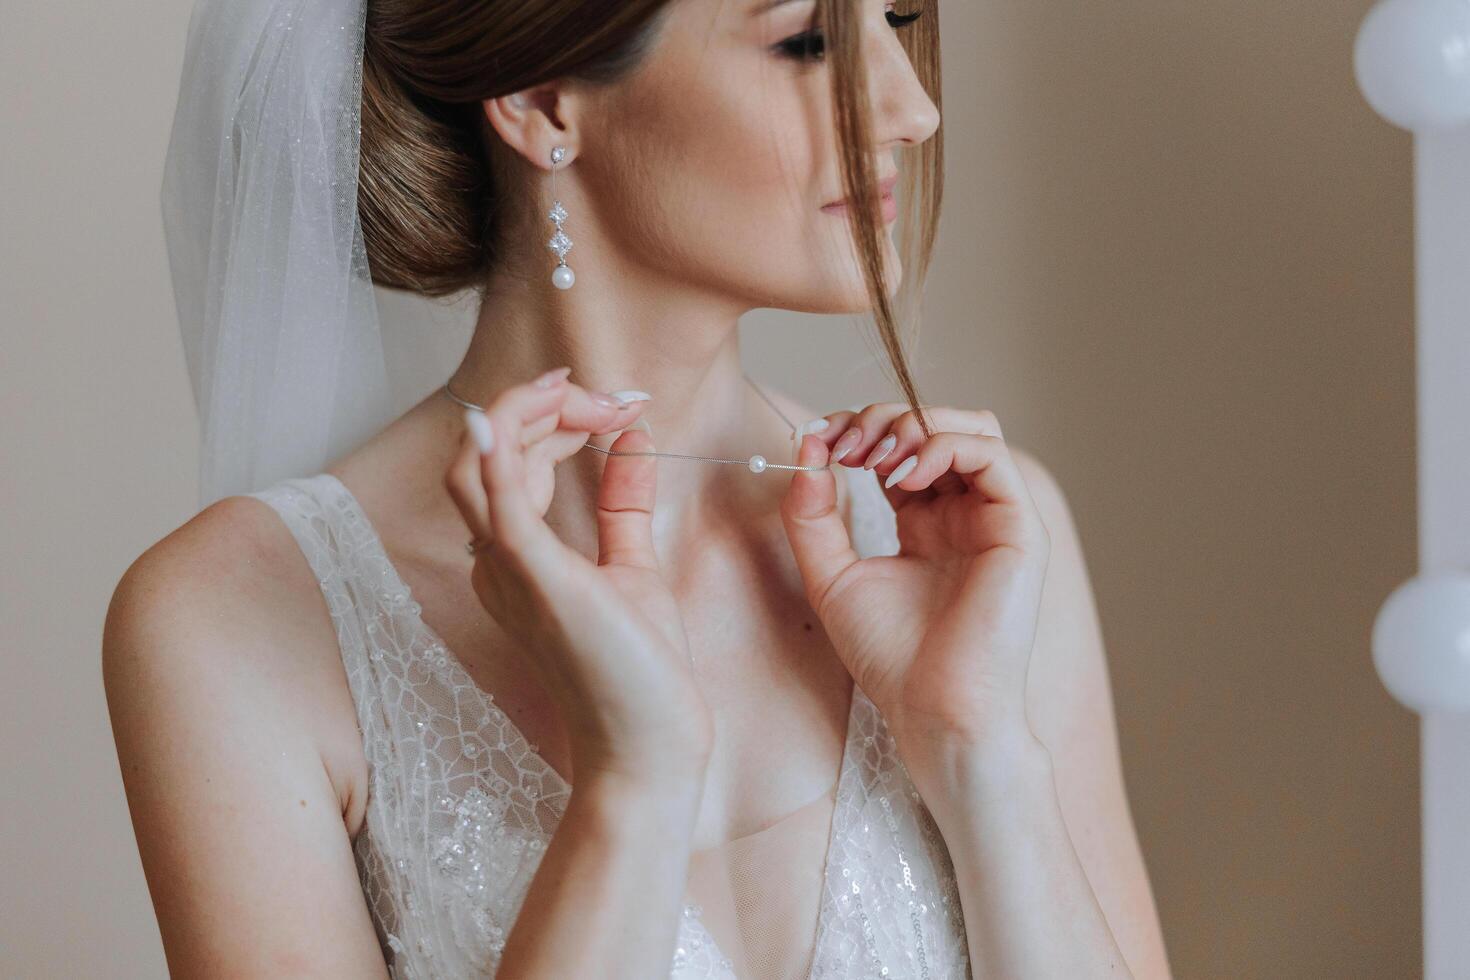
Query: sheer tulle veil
[[276, 309]]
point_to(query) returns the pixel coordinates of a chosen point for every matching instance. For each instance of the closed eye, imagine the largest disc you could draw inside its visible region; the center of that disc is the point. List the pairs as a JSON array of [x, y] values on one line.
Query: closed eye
[[811, 45]]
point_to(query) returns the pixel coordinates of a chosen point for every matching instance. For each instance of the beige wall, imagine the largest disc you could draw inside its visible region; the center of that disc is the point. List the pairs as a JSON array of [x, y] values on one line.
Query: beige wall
[[1175, 261]]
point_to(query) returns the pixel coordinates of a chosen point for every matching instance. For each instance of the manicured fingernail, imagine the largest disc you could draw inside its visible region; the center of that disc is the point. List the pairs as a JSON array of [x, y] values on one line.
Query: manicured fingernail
[[626, 395], [879, 451], [816, 425], [552, 377], [797, 436], [844, 445], [480, 430], [607, 401], [900, 471]]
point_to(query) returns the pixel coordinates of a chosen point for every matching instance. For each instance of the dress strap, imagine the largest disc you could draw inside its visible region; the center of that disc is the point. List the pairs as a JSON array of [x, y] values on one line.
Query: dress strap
[[332, 539], [297, 501]]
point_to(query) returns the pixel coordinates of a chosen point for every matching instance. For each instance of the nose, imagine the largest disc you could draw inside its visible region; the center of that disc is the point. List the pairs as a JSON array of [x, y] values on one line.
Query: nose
[[903, 113]]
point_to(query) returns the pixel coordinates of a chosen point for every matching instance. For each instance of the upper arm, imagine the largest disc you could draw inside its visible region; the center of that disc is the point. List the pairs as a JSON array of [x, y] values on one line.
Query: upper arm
[[239, 826], [1070, 706]]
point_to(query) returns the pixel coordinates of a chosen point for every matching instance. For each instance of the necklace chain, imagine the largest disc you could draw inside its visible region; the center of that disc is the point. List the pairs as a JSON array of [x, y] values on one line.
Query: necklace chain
[[756, 463]]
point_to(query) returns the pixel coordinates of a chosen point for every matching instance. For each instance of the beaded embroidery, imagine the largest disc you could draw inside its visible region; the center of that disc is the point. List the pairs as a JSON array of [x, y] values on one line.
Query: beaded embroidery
[[461, 806]]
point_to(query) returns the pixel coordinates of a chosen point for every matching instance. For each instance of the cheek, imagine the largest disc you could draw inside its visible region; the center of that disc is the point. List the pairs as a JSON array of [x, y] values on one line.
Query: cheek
[[721, 172]]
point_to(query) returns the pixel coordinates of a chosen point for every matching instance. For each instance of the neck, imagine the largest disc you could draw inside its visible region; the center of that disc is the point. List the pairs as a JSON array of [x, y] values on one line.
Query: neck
[[679, 346]]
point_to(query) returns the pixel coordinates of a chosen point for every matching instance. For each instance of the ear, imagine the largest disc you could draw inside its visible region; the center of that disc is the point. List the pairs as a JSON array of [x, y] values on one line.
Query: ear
[[534, 120]]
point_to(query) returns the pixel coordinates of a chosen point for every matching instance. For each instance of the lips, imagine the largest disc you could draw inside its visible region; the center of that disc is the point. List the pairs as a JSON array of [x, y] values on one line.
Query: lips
[[885, 190]]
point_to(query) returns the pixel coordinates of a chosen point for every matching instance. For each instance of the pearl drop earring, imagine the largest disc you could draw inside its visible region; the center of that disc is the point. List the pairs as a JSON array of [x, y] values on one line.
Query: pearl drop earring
[[562, 276]]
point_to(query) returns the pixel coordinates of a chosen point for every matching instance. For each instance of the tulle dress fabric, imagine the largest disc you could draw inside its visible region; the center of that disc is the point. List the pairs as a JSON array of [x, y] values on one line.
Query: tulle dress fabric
[[855, 884]]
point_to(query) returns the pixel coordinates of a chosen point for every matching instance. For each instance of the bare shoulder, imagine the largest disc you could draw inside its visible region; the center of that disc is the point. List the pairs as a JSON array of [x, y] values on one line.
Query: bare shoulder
[[227, 607], [228, 722], [1069, 702], [1050, 500], [1068, 694]]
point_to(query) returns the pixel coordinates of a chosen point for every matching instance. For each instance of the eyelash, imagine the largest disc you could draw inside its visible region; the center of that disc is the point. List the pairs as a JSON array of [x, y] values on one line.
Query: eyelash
[[810, 46]]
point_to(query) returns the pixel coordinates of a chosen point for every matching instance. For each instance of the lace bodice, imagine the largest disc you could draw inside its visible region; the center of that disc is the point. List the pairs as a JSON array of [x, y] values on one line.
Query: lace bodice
[[461, 807]]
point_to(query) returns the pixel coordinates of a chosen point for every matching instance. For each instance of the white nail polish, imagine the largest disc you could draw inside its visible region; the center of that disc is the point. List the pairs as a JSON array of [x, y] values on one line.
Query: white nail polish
[[811, 425], [884, 447], [900, 471], [553, 377], [626, 395], [480, 430]]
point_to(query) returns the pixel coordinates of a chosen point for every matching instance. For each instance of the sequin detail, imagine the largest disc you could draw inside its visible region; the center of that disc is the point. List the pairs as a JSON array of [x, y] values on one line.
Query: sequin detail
[[461, 807]]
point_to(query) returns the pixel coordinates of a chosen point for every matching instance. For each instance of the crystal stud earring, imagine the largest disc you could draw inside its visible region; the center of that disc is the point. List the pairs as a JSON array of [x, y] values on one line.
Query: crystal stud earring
[[562, 276]]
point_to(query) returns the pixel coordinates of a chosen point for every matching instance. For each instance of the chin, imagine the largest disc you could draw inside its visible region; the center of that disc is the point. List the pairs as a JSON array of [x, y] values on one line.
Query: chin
[[849, 298], [857, 304], [828, 292]]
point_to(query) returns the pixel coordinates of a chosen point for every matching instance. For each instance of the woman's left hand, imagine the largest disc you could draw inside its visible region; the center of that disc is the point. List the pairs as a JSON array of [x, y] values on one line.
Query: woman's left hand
[[938, 636]]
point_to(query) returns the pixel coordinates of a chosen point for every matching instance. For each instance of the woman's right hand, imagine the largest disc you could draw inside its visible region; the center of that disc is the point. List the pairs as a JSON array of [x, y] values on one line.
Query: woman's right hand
[[606, 640]]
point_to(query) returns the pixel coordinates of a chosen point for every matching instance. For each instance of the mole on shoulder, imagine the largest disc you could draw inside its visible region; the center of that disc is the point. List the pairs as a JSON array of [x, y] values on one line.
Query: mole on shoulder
[[806, 626]]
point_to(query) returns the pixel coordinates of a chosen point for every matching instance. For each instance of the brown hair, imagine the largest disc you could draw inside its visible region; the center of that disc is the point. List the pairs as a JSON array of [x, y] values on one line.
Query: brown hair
[[428, 182]]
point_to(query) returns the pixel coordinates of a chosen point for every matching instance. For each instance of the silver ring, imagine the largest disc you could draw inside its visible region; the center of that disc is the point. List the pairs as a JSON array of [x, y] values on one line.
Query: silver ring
[[473, 545]]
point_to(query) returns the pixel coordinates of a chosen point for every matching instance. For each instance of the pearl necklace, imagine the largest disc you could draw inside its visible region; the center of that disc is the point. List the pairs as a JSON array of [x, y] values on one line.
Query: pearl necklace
[[756, 463]]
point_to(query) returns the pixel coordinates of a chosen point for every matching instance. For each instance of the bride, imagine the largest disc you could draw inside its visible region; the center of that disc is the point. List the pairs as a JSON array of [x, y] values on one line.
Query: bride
[[570, 670]]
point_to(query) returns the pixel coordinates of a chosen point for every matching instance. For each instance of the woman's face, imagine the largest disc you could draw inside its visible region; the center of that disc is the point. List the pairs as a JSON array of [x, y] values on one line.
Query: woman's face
[[716, 163]]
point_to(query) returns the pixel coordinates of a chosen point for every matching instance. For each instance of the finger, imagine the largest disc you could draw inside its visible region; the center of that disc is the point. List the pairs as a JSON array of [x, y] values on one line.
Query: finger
[[466, 477], [855, 445], [814, 524], [466, 489], [984, 461], [514, 521], [625, 502], [558, 436], [584, 411], [490, 487], [825, 427], [906, 437]]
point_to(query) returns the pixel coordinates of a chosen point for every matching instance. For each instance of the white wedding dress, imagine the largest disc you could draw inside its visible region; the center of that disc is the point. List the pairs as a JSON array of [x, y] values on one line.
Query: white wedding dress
[[856, 884]]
